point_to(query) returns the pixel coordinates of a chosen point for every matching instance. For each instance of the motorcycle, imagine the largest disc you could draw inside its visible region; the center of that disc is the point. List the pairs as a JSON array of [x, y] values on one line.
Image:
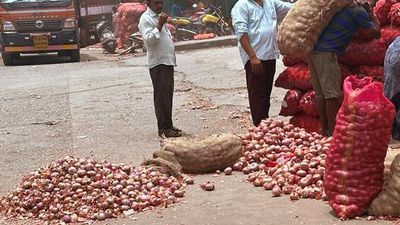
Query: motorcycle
[[106, 37], [206, 21], [137, 42]]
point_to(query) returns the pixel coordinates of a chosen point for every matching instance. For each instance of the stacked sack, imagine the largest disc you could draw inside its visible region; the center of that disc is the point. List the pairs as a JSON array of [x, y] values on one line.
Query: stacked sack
[[364, 56], [300, 101], [128, 15]]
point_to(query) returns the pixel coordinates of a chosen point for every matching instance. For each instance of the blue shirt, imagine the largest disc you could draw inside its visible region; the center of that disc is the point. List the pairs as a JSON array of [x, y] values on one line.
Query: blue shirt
[[260, 24], [338, 34]]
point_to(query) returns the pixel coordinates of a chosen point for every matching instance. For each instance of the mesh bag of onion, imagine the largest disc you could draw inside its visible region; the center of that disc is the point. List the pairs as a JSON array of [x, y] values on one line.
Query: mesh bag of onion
[[389, 34], [358, 53], [205, 155], [290, 103], [354, 165], [296, 77], [308, 103], [382, 9], [309, 123], [388, 201], [394, 14]]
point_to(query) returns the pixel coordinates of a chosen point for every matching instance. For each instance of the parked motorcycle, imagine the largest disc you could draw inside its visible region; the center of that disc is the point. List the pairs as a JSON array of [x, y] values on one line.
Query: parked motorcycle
[[137, 42], [106, 36], [206, 21]]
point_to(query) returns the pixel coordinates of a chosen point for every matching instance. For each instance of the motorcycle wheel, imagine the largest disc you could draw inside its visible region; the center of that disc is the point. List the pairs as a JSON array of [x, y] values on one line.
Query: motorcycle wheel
[[110, 47]]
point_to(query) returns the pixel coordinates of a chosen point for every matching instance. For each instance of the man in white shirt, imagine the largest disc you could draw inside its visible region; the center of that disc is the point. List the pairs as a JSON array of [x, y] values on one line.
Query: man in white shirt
[[255, 23], [161, 62]]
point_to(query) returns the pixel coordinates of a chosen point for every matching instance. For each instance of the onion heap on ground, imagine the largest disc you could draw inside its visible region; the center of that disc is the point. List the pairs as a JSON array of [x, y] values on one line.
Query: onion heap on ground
[[364, 56], [285, 159], [77, 190]]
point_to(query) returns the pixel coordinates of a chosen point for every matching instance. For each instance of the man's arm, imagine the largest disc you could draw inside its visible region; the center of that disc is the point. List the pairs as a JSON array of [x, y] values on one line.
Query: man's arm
[[366, 25], [240, 25], [282, 8], [150, 33]]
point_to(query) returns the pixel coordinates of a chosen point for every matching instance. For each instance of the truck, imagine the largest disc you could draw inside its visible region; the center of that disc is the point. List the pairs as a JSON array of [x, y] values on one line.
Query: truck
[[44, 26]]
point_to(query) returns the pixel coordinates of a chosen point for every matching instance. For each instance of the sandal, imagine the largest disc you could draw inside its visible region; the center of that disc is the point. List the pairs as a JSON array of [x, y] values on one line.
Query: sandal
[[170, 133]]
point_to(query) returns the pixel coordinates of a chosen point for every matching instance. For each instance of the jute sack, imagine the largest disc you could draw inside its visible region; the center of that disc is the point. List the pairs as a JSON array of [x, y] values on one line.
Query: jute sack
[[304, 23], [198, 156], [388, 201]]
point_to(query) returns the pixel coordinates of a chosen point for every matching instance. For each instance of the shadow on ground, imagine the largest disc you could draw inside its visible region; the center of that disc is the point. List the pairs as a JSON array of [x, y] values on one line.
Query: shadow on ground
[[37, 59]]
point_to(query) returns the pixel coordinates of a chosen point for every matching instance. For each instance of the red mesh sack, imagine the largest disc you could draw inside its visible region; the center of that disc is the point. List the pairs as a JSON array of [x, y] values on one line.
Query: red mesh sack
[[291, 61], [371, 53], [290, 103], [309, 123], [345, 71], [362, 34], [382, 9], [394, 14], [308, 104], [372, 71], [389, 34], [296, 77], [129, 15], [355, 160]]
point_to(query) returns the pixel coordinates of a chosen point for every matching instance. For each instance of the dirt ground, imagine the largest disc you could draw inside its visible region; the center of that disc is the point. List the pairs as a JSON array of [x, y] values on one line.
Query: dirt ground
[[102, 108]]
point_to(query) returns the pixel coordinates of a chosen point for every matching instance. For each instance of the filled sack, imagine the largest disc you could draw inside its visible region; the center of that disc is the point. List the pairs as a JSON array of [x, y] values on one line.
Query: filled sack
[[354, 163], [309, 123], [358, 53], [197, 156], [389, 34], [382, 10], [304, 23], [308, 104], [373, 71], [290, 103], [295, 77]]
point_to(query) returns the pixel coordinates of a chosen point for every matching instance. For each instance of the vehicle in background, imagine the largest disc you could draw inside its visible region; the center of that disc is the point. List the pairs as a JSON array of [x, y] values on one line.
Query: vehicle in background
[[106, 36], [209, 20], [43, 26]]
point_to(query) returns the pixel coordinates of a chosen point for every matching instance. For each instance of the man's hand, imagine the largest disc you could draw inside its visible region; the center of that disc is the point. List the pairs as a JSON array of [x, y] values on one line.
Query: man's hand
[[367, 6], [256, 66], [162, 20]]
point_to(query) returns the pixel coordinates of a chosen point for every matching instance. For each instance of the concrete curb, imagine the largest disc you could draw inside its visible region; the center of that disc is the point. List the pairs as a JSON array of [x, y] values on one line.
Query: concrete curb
[[207, 43]]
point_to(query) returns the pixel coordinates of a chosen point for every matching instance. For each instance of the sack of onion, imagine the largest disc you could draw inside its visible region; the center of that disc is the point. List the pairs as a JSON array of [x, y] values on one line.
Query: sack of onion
[[291, 102], [354, 165], [79, 190], [285, 159], [388, 201], [197, 156]]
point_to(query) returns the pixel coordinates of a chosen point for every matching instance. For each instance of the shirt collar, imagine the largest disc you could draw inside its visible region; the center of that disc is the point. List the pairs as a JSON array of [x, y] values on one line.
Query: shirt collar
[[151, 12]]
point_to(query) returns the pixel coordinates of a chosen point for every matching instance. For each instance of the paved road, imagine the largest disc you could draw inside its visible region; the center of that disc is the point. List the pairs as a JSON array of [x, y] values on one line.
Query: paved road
[[102, 108]]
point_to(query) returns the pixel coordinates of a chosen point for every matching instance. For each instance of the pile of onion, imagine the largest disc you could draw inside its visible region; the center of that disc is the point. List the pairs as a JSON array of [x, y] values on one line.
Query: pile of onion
[[284, 159], [78, 190]]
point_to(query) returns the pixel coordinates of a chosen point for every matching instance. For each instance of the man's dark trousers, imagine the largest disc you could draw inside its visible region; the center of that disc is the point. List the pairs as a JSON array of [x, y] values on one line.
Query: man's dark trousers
[[162, 77], [259, 88]]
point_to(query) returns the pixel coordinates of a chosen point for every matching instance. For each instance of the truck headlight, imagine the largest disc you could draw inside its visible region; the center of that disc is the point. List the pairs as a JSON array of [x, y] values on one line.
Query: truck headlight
[[7, 26], [69, 23]]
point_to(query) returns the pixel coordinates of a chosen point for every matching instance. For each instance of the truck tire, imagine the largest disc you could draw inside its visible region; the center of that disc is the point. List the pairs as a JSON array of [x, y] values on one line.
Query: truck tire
[[7, 58], [75, 55]]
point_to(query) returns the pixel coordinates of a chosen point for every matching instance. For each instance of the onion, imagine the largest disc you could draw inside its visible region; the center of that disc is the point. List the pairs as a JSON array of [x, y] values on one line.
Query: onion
[[228, 171], [276, 191], [179, 193]]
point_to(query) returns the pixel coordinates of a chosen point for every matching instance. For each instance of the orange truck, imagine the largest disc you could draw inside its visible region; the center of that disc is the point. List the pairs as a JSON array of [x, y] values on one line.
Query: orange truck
[[43, 26]]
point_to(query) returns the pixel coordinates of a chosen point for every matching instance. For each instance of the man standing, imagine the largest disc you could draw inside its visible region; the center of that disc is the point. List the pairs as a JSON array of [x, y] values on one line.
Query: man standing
[[326, 77], [161, 61], [255, 24], [391, 81]]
